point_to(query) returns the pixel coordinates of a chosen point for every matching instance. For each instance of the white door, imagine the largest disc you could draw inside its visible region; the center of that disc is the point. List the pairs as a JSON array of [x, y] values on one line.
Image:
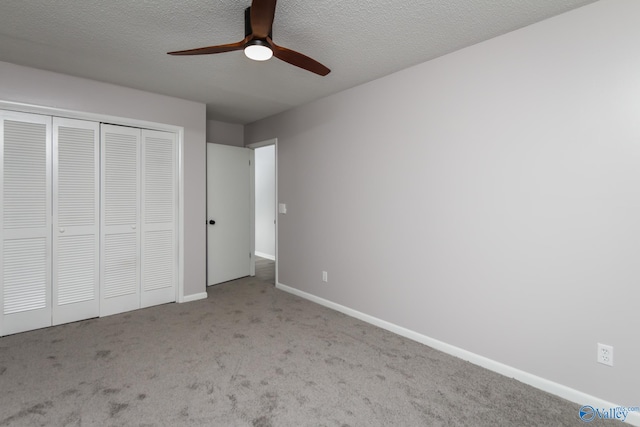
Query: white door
[[120, 231], [159, 213], [229, 213], [76, 220], [25, 222]]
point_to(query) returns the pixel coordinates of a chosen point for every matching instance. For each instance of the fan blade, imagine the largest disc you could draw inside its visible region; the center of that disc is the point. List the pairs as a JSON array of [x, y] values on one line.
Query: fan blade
[[214, 49], [262, 14], [298, 59]]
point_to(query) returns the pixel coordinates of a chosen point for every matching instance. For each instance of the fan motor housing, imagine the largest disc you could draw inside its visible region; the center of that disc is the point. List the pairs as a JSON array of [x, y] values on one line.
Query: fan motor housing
[[247, 23]]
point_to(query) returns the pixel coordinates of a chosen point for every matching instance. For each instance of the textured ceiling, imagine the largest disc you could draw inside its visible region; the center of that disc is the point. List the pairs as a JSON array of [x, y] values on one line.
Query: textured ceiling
[[125, 42]]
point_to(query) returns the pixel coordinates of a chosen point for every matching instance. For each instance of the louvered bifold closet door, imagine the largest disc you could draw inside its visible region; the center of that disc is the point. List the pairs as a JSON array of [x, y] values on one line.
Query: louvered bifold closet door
[[76, 220], [120, 230], [159, 214], [25, 222]]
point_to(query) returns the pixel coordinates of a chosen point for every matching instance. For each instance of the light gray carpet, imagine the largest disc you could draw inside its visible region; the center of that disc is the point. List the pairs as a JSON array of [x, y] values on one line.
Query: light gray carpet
[[251, 355]]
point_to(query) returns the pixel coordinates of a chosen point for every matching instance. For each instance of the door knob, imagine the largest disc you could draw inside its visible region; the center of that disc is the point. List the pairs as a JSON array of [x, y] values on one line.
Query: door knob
[[212, 222]]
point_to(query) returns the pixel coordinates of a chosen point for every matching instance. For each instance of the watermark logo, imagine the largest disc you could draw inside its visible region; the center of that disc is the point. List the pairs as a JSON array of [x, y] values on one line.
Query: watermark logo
[[589, 413]]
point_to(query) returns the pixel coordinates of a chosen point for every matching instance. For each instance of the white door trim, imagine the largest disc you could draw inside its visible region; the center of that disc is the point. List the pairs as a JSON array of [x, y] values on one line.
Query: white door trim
[[252, 213], [272, 141]]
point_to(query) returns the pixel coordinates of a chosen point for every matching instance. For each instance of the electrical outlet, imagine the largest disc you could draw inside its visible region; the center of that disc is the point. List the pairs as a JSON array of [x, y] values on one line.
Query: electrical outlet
[[325, 276], [605, 354]]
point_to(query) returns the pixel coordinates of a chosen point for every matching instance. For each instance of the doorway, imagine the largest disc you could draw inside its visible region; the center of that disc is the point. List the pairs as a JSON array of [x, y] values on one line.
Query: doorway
[[231, 211], [265, 203]]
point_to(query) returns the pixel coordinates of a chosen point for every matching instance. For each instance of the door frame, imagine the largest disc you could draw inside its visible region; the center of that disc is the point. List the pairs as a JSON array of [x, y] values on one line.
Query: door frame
[[265, 143], [124, 121]]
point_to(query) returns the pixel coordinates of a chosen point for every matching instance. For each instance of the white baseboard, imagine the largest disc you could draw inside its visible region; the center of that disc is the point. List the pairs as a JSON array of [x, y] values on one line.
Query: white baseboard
[[560, 390], [267, 256], [194, 297]]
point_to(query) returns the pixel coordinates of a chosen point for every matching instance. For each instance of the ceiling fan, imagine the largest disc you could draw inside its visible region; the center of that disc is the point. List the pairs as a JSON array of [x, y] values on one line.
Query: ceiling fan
[[257, 44]]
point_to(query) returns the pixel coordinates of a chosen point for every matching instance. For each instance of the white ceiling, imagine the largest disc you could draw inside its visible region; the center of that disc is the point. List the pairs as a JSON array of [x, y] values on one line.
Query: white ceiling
[[125, 42]]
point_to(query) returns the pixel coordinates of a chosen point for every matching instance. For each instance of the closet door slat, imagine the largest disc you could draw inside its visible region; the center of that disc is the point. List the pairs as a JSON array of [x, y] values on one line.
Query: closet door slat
[[76, 220], [159, 213], [120, 266], [25, 222]]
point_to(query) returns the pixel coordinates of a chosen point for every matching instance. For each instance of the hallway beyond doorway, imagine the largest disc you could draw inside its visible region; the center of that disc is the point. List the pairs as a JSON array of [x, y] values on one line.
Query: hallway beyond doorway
[[266, 270]]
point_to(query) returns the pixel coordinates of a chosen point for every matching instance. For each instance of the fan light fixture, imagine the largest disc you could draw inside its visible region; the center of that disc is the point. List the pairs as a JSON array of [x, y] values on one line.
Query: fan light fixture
[[258, 40], [258, 50]]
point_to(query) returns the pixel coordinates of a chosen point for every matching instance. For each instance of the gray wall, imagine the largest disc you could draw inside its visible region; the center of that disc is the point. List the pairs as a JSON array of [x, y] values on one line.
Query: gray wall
[[489, 199], [43, 88], [225, 133]]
